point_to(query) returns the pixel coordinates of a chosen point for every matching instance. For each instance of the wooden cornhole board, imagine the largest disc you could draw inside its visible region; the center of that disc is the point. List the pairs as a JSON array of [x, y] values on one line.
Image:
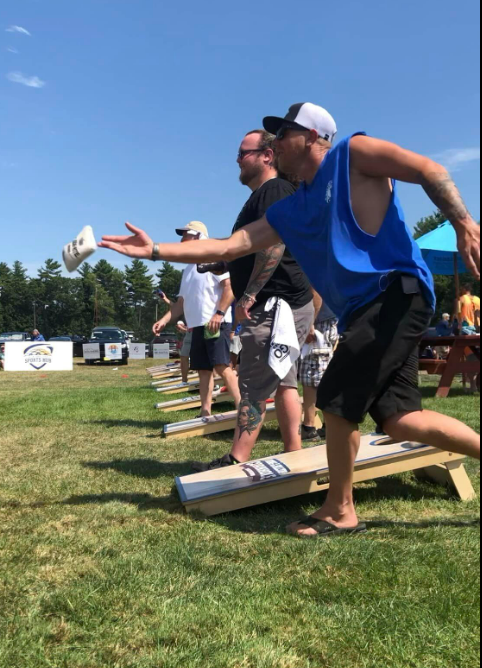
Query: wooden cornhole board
[[294, 474], [161, 375], [214, 424], [163, 367], [180, 388], [208, 425], [192, 402], [173, 381]]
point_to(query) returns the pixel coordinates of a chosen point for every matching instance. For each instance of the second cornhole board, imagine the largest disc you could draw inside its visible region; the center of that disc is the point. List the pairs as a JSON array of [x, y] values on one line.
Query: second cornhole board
[[163, 367], [180, 388], [175, 380], [297, 473], [192, 402], [208, 425]]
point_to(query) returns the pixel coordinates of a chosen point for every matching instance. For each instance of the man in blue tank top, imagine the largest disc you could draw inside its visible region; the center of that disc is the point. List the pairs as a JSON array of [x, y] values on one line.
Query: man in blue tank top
[[346, 229]]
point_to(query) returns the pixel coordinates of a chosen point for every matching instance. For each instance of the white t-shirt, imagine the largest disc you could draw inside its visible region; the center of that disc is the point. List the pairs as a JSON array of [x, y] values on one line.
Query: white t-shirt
[[201, 294]]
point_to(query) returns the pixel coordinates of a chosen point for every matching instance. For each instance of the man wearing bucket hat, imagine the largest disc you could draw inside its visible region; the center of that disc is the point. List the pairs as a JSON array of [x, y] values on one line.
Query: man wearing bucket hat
[[346, 228], [205, 300]]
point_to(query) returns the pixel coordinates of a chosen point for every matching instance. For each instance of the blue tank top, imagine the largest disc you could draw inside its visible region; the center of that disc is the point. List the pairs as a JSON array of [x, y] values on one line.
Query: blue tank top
[[347, 266]]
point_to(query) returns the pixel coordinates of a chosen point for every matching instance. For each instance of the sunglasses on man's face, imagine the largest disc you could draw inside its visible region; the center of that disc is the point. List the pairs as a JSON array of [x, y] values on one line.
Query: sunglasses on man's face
[[242, 154]]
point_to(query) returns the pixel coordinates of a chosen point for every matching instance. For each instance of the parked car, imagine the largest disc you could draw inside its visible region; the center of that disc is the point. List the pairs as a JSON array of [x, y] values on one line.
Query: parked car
[[106, 336], [166, 337], [78, 342], [15, 336]]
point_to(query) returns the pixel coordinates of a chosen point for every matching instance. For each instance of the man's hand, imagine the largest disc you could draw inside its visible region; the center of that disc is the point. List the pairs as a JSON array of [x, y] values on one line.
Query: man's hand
[[181, 327], [468, 241], [139, 246], [244, 307], [311, 338], [215, 324], [159, 326]]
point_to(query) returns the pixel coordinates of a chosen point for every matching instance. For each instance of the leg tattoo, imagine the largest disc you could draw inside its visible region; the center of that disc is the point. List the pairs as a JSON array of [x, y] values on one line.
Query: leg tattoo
[[250, 416]]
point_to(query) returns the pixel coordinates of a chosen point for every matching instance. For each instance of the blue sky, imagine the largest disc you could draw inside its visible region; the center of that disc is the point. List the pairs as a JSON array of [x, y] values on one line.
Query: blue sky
[[117, 110]]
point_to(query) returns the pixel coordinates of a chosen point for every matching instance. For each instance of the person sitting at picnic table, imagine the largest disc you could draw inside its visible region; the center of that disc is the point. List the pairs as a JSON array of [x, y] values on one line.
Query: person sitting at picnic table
[[445, 327], [469, 309]]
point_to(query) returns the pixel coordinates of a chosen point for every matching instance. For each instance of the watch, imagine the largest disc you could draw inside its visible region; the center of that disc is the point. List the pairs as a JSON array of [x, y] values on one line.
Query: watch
[[219, 312], [156, 253]]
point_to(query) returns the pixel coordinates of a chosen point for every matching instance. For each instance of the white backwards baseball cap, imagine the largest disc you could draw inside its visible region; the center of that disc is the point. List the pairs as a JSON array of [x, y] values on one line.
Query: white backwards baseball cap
[[304, 116]]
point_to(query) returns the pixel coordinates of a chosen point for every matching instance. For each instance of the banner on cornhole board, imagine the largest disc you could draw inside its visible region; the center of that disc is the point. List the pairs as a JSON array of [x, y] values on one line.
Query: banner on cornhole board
[[40, 356], [161, 351], [137, 351], [91, 351], [113, 351]]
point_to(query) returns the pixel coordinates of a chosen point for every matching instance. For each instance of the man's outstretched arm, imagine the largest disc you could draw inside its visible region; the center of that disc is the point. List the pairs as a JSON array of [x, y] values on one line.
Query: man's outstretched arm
[[373, 157], [251, 239]]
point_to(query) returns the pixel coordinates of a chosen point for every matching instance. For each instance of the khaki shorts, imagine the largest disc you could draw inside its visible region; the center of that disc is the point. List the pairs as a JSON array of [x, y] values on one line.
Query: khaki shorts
[[257, 380]]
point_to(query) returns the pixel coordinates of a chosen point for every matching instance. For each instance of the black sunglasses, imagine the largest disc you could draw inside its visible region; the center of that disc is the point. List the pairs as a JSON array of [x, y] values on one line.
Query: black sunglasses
[[242, 154]]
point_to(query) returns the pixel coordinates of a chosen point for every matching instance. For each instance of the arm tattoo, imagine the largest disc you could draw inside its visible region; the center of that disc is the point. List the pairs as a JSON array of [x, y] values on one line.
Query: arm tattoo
[[267, 262], [443, 192], [250, 416]]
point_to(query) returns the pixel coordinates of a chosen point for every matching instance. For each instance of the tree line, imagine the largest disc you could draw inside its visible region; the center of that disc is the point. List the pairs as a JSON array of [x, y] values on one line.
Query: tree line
[[104, 295], [99, 295]]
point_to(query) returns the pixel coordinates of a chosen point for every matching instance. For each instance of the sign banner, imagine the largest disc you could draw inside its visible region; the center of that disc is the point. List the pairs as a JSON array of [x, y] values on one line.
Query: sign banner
[[113, 351], [40, 356], [161, 351], [137, 351], [91, 351]]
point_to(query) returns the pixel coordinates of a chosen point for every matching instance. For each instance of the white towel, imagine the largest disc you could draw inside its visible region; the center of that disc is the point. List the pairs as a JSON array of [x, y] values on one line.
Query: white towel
[[285, 347]]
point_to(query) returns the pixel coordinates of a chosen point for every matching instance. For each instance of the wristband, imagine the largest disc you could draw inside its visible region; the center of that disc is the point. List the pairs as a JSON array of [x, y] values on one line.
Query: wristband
[[221, 313], [156, 253]]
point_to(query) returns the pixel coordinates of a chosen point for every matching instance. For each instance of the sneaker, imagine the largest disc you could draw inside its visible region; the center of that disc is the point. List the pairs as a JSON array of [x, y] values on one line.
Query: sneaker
[[227, 460], [308, 433], [322, 433]]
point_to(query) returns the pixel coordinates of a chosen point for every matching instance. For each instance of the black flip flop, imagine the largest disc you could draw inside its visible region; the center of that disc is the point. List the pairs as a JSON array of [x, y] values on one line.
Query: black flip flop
[[326, 529]]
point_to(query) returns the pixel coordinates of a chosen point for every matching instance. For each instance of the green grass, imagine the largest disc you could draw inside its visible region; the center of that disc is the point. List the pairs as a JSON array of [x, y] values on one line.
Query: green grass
[[100, 567]]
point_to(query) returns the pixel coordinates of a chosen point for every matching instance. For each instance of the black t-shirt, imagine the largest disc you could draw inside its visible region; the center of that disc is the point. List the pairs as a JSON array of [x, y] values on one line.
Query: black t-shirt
[[289, 280]]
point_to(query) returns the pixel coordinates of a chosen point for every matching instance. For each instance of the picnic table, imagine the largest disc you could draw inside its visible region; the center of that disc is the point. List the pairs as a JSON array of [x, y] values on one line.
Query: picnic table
[[456, 362]]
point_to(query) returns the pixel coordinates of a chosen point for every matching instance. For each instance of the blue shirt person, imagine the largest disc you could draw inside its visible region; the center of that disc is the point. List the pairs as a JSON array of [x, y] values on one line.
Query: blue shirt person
[[444, 327], [36, 336]]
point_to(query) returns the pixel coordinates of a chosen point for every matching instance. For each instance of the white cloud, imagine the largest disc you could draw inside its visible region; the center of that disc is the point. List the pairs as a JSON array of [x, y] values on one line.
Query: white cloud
[[31, 82], [454, 159], [11, 50], [19, 29]]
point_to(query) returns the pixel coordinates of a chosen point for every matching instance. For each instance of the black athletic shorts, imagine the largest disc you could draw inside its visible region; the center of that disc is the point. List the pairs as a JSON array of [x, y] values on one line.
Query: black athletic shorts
[[375, 367], [206, 354]]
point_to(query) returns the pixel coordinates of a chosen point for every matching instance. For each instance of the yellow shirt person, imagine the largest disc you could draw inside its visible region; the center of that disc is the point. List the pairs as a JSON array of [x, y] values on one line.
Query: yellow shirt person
[[469, 310]]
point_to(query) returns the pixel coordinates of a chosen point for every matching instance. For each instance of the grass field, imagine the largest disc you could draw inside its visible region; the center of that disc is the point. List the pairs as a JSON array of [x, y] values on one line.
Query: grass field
[[100, 567]]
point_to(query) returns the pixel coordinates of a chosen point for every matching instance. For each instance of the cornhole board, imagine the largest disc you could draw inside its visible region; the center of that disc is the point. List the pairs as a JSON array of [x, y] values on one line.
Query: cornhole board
[[163, 367], [174, 380], [297, 473], [192, 402], [208, 425], [180, 388], [161, 375]]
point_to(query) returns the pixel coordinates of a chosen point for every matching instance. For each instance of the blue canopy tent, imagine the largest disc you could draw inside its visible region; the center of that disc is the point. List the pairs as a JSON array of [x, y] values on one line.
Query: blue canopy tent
[[440, 252]]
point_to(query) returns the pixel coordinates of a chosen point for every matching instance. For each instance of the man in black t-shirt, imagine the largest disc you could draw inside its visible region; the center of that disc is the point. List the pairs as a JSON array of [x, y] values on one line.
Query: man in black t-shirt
[[255, 280]]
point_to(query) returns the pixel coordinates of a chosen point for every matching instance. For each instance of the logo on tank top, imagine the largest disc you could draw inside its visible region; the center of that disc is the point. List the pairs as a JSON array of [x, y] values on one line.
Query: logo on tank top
[[329, 192]]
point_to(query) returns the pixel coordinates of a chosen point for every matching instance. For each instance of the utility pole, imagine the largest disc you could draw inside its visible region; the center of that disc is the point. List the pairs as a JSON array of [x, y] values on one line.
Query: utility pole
[[34, 315]]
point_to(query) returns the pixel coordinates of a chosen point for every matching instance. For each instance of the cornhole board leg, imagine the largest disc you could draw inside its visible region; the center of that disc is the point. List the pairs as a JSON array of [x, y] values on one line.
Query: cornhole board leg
[[318, 482], [452, 474]]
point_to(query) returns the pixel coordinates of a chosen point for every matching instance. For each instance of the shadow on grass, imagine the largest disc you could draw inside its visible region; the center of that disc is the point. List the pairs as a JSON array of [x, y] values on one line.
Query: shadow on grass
[[430, 392], [143, 468]]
